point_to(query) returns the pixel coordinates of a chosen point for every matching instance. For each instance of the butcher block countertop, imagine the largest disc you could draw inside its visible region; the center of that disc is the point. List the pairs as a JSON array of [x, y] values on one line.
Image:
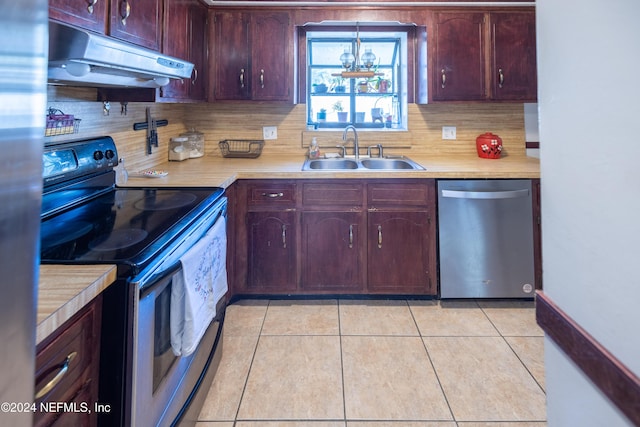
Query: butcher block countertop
[[213, 171], [64, 289]]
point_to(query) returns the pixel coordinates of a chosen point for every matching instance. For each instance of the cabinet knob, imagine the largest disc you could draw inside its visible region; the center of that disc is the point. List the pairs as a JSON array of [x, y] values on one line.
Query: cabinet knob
[[262, 79], [444, 78], [500, 78], [242, 77]]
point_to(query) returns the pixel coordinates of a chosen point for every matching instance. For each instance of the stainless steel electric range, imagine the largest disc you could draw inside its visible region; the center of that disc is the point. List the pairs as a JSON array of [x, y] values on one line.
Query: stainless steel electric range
[[145, 231]]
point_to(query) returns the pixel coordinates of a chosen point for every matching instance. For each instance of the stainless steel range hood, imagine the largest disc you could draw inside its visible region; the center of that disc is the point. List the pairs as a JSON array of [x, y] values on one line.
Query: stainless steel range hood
[[82, 58]]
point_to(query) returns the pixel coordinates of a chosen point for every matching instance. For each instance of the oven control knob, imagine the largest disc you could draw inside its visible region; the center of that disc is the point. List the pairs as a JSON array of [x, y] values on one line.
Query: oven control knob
[[109, 154], [98, 155]]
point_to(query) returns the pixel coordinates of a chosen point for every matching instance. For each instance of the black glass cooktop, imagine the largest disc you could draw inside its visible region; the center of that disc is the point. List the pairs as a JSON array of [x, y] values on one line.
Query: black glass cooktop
[[124, 226]]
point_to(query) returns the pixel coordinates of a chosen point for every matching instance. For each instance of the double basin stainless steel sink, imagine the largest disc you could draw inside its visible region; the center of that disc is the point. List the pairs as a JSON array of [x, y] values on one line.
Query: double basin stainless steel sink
[[366, 163]]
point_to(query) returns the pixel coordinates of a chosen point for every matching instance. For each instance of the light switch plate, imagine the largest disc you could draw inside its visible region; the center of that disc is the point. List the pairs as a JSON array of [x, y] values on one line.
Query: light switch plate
[[269, 132], [448, 132]]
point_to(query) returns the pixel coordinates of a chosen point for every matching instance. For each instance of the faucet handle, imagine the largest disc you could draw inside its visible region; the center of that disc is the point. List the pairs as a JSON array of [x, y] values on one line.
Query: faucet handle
[[343, 150]]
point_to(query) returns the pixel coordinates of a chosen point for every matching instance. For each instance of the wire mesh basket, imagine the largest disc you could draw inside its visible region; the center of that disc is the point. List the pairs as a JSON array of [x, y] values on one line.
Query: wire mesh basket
[[244, 148], [58, 123]]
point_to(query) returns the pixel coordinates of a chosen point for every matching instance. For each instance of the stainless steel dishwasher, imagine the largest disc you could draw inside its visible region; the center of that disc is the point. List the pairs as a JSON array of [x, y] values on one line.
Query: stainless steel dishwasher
[[485, 239]]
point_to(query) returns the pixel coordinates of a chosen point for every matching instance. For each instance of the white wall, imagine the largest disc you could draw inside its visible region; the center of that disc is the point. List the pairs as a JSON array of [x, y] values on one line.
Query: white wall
[[589, 88]]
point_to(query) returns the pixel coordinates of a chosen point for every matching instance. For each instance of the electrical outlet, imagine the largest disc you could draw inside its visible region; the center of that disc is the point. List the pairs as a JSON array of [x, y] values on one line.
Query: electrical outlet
[[448, 132], [269, 132]]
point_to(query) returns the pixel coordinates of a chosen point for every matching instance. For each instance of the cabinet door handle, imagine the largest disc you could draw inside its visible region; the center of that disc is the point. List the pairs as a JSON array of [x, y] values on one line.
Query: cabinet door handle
[[90, 6], [284, 236], [500, 78], [242, 77], [350, 236], [127, 12], [262, 79], [379, 237], [272, 195], [444, 78], [54, 382], [195, 76]]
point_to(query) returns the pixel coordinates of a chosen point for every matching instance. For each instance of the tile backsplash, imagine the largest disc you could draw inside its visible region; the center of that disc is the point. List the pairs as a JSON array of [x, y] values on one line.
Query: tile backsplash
[[239, 120]]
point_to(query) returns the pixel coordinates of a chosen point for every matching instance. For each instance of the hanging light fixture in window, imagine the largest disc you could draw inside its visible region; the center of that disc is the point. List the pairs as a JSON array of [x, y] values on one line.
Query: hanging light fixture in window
[[351, 63]]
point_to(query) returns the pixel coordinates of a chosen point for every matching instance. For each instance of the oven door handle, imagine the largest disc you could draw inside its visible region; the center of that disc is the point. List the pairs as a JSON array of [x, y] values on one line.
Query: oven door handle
[[160, 279]]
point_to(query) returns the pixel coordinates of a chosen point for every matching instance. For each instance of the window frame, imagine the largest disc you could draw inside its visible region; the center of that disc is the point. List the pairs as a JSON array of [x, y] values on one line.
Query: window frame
[[403, 80]]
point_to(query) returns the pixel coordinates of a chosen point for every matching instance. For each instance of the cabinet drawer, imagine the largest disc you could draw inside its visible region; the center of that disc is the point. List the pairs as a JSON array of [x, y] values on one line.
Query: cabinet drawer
[[404, 194], [332, 194], [73, 358], [276, 194]]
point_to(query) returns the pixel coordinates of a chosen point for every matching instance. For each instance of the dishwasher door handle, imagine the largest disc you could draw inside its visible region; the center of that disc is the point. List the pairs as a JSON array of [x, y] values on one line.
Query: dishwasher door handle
[[510, 194]]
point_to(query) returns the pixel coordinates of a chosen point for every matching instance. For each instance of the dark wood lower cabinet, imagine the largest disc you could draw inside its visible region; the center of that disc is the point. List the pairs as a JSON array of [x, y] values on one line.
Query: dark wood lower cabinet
[[333, 258], [272, 251], [399, 252], [67, 371], [311, 237]]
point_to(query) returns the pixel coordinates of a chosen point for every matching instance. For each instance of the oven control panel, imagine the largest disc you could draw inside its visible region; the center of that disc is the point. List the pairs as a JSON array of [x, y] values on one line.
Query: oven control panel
[[78, 158]]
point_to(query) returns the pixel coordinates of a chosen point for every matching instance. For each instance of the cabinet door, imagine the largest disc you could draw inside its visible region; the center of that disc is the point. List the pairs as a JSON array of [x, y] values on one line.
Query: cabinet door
[[232, 56], [399, 252], [272, 251], [271, 49], [332, 251], [176, 43], [87, 14], [137, 21], [185, 37], [513, 37], [459, 58], [198, 48]]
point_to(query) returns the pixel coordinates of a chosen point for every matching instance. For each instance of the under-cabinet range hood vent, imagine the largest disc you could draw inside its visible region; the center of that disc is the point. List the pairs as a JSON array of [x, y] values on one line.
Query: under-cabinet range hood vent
[[82, 58]]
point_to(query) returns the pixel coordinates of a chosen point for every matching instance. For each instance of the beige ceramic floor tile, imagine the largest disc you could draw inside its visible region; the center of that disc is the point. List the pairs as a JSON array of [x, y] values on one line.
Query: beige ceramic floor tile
[[290, 424], [245, 317], [484, 380], [294, 378], [312, 317], [376, 317], [225, 393], [401, 424], [451, 318], [390, 378], [214, 424], [530, 350], [513, 318], [516, 424]]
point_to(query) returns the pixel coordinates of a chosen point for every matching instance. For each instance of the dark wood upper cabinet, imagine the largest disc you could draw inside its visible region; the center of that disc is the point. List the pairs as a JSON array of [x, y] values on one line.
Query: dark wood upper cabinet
[[137, 21], [459, 57], [134, 21], [253, 56], [88, 14], [483, 56], [513, 66], [185, 37]]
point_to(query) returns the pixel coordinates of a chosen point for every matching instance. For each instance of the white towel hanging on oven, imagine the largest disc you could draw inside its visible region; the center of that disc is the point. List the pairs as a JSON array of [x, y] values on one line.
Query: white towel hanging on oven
[[196, 291]]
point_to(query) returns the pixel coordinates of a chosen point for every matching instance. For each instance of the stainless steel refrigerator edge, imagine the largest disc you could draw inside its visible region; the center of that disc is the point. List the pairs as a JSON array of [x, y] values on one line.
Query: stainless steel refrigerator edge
[[486, 239], [23, 79]]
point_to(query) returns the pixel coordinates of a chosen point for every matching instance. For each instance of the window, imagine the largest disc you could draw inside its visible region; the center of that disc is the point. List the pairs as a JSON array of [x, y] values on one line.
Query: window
[[334, 101]]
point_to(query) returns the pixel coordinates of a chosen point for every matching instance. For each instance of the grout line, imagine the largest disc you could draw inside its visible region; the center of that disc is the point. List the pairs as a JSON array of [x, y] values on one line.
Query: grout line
[[435, 372], [253, 357], [344, 392]]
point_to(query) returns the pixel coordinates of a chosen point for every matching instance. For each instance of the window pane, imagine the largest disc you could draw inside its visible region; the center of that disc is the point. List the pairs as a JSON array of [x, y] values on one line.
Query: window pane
[[334, 101]]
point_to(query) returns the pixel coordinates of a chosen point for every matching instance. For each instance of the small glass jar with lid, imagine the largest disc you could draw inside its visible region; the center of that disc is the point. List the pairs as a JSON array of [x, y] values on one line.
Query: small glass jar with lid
[[196, 143], [179, 148]]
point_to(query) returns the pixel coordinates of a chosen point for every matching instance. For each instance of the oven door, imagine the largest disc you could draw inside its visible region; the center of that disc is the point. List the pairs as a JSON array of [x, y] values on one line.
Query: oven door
[[163, 384]]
